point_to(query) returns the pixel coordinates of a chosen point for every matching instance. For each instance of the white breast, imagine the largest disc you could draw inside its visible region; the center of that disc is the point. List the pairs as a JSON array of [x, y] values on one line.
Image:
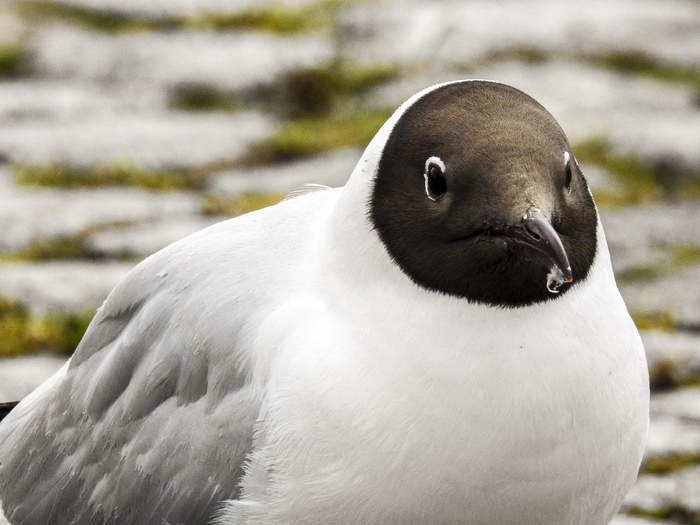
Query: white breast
[[392, 405]]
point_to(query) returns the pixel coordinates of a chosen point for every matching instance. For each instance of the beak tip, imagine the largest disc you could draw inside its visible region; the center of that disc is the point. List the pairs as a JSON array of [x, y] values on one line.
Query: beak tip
[[568, 275]]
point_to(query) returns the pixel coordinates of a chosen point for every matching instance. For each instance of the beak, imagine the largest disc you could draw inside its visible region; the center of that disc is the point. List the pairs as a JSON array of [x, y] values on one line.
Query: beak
[[536, 232]]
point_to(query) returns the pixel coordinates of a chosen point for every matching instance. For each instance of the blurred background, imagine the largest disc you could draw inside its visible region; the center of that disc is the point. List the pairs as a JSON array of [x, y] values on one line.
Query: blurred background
[[128, 124]]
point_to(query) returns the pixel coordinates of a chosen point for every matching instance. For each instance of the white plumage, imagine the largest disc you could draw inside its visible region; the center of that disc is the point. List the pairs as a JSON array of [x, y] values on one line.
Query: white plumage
[[288, 343]]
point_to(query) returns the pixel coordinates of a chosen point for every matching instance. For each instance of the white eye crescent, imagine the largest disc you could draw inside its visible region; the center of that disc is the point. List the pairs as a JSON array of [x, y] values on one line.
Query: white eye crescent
[[568, 171], [434, 175]]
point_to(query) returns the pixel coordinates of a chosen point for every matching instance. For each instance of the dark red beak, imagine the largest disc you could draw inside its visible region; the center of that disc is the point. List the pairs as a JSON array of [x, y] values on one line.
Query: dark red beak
[[538, 234]]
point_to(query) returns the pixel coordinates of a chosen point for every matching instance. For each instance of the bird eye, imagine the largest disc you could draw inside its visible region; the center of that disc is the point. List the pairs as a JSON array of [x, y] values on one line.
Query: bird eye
[[435, 183], [567, 171]]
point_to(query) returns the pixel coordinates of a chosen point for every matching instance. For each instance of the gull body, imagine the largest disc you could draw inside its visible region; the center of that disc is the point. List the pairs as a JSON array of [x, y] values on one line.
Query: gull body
[[299, 364]]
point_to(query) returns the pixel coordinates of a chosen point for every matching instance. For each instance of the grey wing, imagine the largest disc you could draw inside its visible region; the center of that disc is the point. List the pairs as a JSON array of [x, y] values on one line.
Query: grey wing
[[305, 190], [154, 416]]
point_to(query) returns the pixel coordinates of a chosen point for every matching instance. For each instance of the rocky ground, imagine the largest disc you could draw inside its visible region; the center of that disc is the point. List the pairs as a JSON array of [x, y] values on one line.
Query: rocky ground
[[128, 124]]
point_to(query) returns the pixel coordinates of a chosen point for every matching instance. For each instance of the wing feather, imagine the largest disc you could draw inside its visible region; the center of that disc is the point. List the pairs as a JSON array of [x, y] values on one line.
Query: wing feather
[[153, 417]]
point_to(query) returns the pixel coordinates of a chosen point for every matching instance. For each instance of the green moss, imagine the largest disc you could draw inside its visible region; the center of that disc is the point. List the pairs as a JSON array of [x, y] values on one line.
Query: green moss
[[665, 375], [201, 97], [653, 514], [669, 463], [63, 247], [663, 320], [312, 135], [518, 53], [530, 54], [22, 332], [319, 90], [673, 513], [239, 204], [684, 255], [662, 375], [319, 103], [60, 331], [609, 200], [679, 256], [642, 63], [630, 62], [106, 20], [15, 337], [640, 273], [71, 246], [638, 181], [15, 61], [124, 173], [278, 18]]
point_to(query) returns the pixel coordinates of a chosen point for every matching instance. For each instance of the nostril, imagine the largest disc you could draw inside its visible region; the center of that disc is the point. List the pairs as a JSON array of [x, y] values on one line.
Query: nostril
[[533, 230]]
